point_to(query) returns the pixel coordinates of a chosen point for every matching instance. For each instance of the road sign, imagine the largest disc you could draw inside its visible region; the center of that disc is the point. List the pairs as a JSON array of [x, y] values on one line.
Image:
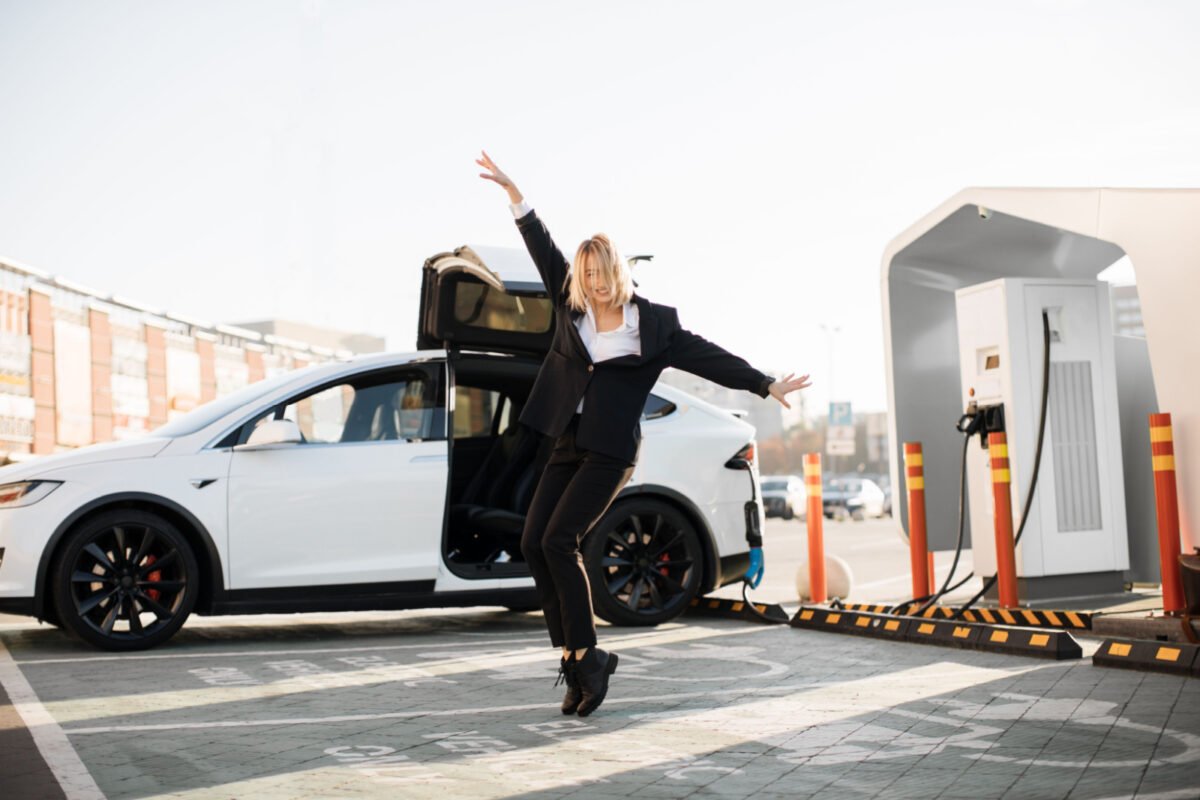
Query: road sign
[[839, 447], [840, 432], [840, 414]]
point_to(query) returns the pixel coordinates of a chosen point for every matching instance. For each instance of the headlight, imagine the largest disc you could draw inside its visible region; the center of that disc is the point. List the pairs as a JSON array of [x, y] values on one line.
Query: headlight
[[25, 493]]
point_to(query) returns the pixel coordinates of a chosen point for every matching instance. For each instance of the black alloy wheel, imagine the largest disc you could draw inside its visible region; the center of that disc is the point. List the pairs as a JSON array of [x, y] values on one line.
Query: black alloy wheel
[[126, 580], [644, 563]]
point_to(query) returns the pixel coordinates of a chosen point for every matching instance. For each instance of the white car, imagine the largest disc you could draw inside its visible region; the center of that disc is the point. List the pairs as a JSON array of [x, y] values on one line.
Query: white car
[[785, 496], [852, 496], [384, 482]]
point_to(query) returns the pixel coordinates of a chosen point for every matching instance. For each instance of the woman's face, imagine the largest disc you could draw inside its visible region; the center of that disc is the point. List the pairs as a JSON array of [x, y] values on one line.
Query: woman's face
[[598, 293]]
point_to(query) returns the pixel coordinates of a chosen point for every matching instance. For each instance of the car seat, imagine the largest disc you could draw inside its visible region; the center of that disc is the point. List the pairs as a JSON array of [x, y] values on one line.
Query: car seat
[[492, 508]]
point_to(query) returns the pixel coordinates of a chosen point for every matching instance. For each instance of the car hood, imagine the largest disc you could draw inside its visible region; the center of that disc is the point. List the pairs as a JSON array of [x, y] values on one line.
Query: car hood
[[92, 454]]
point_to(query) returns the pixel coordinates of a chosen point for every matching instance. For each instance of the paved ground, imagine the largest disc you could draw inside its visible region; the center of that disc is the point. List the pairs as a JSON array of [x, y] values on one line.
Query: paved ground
[[461, 705]]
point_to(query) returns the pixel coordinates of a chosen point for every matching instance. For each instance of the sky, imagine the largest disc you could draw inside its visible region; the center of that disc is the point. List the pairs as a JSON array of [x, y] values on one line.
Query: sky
[[236, 161]]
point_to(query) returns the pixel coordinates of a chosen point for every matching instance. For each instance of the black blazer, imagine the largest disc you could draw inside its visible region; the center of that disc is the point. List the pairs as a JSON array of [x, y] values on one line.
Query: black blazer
[[614, 391]]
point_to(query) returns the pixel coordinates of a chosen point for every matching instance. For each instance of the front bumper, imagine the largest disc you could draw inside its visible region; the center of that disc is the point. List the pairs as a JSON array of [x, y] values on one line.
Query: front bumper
[[25, 533]]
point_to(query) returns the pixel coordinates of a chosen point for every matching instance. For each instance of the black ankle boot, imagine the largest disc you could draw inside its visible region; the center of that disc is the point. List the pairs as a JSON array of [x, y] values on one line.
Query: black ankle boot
[[566, 674], [592, 673]]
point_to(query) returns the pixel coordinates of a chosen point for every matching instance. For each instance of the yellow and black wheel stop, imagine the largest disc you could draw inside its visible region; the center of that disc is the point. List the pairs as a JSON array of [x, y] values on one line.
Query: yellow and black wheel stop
[[1055, 644], [1023, 617], [1176, 658], [771, 613]]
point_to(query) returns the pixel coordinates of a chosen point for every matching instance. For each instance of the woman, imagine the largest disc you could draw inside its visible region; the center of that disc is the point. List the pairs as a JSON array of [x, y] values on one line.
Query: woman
[[608, 349]]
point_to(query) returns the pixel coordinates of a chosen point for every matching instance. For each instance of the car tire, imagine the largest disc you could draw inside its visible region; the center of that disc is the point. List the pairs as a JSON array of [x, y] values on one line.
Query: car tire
[[644, 562], [858, 515], [788, 513], [130, 604]]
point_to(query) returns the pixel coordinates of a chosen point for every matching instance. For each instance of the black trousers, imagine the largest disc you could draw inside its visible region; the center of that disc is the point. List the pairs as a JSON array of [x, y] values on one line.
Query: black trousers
[[575, 489]]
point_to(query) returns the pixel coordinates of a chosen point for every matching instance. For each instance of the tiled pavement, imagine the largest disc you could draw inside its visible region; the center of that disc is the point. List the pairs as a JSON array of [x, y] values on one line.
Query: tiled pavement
[[461, 705]]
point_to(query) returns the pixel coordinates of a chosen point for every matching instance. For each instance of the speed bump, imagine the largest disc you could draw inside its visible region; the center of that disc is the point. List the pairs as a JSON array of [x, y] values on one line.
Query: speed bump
[[870, 608], [1021, 641], [1176, 658], [826, 619], [772, 613], [1024, 617], [1031, 618], [1014, 640], [948, 634]]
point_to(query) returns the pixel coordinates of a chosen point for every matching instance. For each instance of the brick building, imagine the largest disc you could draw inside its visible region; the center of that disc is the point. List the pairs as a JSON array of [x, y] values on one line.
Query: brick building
[[78, 367]]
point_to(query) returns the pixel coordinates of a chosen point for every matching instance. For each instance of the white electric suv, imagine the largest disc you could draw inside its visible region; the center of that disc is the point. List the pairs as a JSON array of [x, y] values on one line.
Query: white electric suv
[[383, 482]]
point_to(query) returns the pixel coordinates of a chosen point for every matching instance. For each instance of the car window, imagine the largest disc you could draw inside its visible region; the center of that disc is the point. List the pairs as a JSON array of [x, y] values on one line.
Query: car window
[[475, 411], [848, 485], [482, 306], [376, 411], [364, 408], [505, 416], [775, 486], [322, 417], [657, 407]]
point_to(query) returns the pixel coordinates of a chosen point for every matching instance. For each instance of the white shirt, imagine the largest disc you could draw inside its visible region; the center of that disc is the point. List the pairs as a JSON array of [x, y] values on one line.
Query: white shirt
[[624, 340]]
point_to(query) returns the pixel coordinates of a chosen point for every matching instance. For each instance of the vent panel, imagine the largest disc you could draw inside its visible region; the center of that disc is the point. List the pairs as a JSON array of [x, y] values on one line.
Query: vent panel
[[1073, 443]]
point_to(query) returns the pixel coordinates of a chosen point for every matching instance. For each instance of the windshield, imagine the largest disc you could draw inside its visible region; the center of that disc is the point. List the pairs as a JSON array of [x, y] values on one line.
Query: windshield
[[774, 486], [203, 416]]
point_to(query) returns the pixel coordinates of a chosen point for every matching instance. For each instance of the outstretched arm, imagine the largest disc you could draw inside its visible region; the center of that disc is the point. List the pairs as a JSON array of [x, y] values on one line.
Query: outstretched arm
[[549, 260], [697, 355]]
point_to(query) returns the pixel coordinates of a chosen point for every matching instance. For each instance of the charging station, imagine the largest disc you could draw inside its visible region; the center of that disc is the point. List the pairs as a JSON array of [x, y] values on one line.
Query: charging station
[[1074, 540], [1092, 518]]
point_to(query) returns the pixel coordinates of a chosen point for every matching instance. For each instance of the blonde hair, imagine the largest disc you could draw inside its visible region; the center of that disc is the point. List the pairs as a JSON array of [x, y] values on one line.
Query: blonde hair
[[611, 270]]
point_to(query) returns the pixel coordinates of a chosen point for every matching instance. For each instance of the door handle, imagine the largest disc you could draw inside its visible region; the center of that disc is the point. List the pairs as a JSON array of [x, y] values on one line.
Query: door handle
[[428, 459]]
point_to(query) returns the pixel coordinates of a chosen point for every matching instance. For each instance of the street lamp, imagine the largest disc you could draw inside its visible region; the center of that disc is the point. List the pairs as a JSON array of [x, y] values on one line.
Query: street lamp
[[831, 332]]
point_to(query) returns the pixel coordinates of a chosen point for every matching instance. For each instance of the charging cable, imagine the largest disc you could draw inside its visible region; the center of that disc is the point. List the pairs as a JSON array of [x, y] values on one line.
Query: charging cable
[[1037, 460]]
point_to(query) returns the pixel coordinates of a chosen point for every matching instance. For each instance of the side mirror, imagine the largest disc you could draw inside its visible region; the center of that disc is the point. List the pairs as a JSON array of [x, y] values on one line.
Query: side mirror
[[277, 431]]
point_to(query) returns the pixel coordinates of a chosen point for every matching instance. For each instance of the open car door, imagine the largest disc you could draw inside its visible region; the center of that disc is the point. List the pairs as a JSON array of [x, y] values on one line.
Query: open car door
[[484, 298]]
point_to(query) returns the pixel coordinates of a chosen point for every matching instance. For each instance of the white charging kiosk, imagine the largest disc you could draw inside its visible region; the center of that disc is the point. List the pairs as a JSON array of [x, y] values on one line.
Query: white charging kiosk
[[981, 235]]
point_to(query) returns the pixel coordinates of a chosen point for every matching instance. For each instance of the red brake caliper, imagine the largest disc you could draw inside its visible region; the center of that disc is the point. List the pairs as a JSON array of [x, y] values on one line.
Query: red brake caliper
[[664, 570], [155, 576]]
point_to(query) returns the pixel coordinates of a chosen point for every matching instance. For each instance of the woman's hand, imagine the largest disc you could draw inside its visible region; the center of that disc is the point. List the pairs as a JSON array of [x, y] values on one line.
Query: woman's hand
[[496, 175], [789, 383]]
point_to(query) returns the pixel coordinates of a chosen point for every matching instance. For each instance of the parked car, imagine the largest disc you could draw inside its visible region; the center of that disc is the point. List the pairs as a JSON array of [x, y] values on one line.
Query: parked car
[[884, 482], [384, 482], [851, 496], [784, 496]]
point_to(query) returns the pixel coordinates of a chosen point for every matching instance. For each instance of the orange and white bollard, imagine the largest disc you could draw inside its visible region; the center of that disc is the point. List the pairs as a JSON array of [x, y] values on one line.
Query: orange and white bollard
[[918, 547], [1006, 557], [816, 529], [1166, 506]]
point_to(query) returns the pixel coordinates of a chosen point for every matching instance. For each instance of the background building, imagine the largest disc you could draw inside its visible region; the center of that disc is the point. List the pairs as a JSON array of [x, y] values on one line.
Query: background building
[[313, 335], [78, 366], [1127, 311]]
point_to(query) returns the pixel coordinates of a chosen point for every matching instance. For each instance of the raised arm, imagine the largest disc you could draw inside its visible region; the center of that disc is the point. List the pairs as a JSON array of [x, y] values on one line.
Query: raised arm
[[549, 260]]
